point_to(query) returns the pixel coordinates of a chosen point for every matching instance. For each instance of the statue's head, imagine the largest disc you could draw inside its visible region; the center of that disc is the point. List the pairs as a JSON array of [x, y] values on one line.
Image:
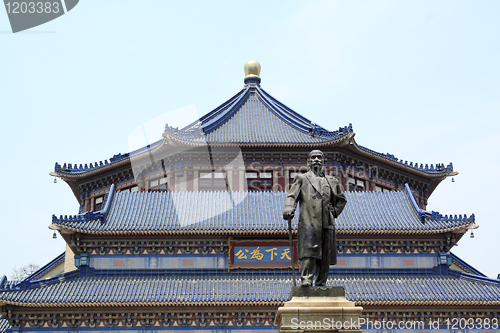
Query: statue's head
[[316, 159]]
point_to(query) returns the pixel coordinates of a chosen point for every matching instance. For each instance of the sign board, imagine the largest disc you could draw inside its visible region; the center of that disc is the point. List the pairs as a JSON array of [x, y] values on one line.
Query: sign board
[[261, 254]]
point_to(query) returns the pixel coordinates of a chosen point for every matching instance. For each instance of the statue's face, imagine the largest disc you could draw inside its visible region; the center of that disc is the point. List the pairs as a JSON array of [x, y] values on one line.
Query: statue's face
[[316, 159]]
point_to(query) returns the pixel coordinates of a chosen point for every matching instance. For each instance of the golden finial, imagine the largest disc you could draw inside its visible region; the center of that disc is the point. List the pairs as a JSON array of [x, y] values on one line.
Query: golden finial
[[252, 68]]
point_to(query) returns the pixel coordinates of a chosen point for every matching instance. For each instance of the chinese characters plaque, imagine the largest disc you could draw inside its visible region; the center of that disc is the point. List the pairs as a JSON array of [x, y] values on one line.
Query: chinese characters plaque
[[261, 254]]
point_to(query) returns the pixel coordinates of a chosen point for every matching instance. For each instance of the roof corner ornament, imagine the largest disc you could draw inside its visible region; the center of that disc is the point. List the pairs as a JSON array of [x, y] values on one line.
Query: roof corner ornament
[[198, 130], [312, 129]]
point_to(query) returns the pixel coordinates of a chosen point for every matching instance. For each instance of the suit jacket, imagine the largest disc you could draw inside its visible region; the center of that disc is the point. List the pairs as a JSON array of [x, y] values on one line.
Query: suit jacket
[[319, 205]]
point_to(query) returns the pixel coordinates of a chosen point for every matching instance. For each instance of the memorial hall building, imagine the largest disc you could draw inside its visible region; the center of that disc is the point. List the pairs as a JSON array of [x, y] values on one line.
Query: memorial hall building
[[186, 234]]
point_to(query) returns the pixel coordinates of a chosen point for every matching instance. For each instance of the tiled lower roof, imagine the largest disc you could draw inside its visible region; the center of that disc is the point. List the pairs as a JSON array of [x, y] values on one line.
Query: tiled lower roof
[[251, 290], [253, 213], [427, 168], [4, 325]]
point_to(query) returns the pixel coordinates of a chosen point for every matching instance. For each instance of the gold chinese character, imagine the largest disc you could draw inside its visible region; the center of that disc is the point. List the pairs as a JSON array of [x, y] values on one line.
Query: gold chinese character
[[272, 252], [285, 253], [256, 254], [241, 255]]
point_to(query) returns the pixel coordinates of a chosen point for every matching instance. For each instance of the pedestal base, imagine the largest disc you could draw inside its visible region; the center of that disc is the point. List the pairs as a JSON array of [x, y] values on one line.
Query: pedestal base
[[318, 310]]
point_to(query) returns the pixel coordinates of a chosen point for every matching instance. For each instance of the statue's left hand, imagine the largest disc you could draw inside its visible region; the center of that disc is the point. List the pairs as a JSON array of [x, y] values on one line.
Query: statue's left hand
[[288, 214]]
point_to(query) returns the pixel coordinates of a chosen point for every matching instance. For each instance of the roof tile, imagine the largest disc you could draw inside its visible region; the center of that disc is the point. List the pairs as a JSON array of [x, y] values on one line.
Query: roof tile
[[394, 211], [252, 288]]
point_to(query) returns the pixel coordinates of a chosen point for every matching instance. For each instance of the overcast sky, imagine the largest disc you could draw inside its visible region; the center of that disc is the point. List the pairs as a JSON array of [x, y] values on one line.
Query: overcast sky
[[417, 79]]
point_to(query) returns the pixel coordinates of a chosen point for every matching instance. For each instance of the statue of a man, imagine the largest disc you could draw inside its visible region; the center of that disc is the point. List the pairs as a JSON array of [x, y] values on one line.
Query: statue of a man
[[321, 200]]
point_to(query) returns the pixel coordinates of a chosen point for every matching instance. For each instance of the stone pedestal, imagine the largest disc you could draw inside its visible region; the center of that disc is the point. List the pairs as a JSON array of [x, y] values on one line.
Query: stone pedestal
[[318, 310]]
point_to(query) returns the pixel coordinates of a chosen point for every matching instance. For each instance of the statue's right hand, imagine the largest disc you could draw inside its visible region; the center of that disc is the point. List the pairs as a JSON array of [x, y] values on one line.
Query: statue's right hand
[[288, 214]]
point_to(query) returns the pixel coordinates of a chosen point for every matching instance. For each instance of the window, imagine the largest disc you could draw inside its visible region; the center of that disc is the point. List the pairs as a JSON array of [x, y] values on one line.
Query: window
[[356, 185], [259, 181], [293, 174], [98, 203], [212, 181], [133, 188], [382, 185], [158, 185]]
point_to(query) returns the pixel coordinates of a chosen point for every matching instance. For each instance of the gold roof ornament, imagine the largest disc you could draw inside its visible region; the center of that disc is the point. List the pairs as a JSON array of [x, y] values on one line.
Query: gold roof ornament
[[252, 68], [252, 72]]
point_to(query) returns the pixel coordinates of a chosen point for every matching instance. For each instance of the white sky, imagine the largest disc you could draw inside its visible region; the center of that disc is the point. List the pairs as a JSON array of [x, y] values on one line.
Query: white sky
[[417, 79]]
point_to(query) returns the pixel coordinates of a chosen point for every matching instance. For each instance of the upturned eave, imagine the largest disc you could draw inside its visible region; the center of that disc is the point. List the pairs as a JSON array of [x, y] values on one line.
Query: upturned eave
[[280, 233], [398, 165]]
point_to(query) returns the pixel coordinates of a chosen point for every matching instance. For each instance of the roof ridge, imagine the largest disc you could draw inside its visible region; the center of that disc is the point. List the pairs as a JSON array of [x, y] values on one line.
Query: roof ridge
[[69, 168], [300, 123], [219, 108], [480, 279], [224, 115], [296, 114], [464, 265], [434, 215], [41, 271], [91, 215], [215, 121], [440, 167], [296, 120], [30, 284]]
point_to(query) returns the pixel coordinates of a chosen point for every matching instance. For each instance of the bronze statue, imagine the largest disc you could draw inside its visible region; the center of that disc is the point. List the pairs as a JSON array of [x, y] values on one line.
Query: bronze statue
[[321, 200]]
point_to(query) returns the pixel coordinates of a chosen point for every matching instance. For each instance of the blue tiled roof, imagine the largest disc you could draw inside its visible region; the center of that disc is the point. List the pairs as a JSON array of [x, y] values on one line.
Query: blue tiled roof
[[246, 118], [253, 212], [47, 268], [255, 117], [7, 285], [425, 289], [77, 169], [69, 168], [440, 168], [4, 325]]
